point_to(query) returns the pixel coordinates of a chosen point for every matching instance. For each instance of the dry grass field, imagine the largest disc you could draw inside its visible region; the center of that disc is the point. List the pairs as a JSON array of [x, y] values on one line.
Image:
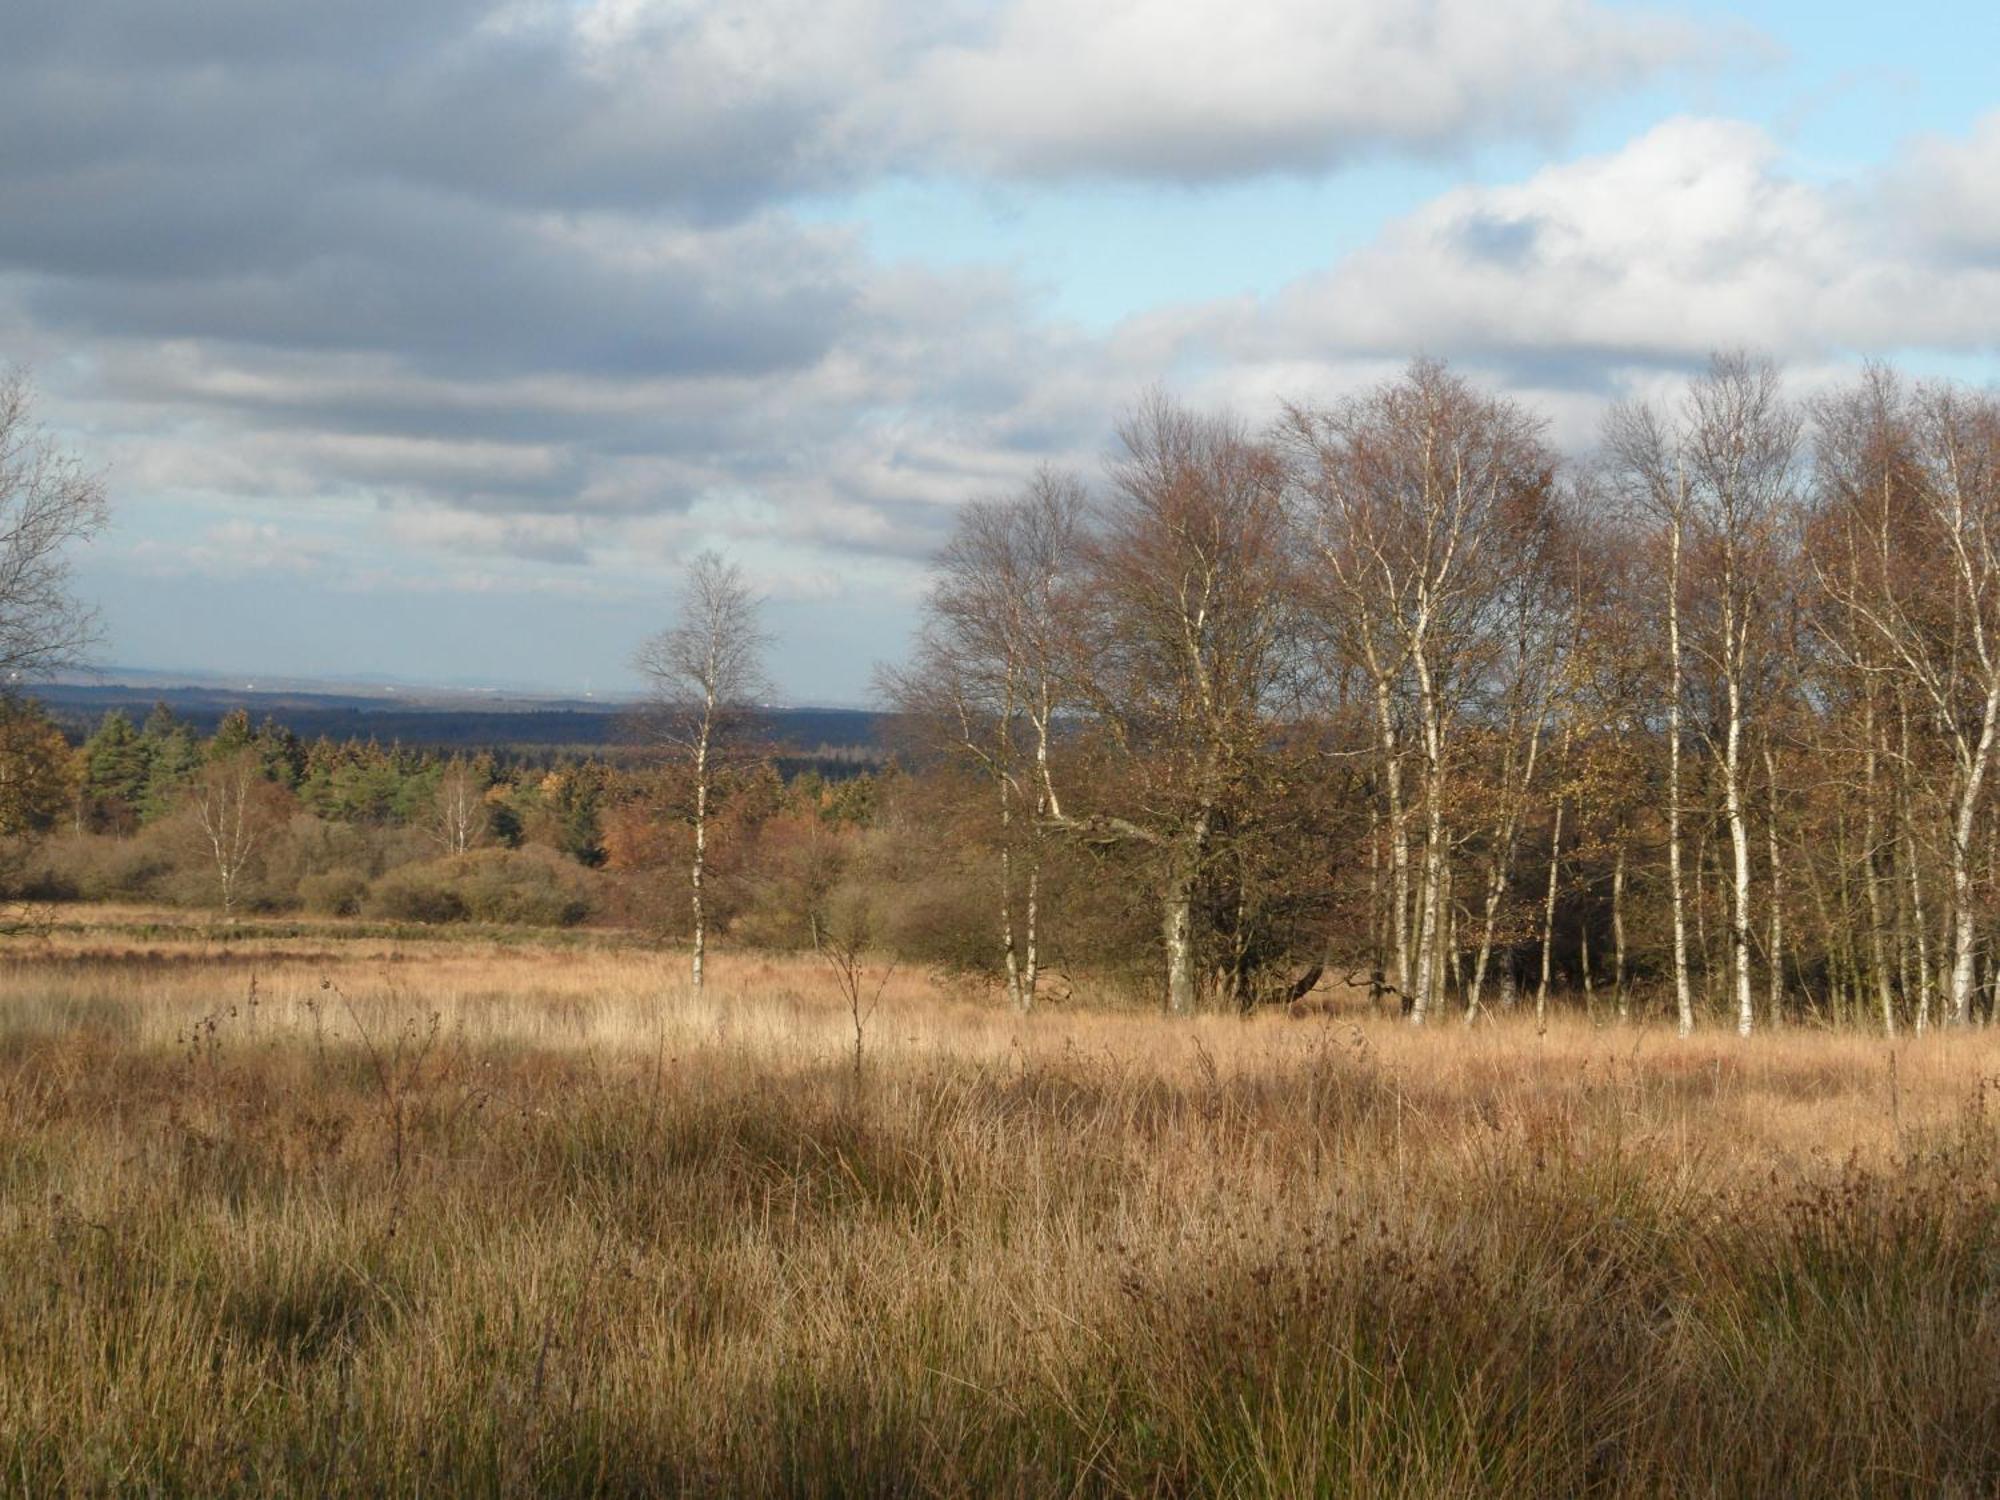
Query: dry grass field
[[314, 1211]]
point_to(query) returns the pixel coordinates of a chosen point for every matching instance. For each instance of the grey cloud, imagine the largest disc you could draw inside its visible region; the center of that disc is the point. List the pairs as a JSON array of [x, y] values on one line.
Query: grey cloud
[[705, 111], [1498, 239], [514, 122], [559, 541], [253, 33], [449, 285], [532, 258], [472, 95]]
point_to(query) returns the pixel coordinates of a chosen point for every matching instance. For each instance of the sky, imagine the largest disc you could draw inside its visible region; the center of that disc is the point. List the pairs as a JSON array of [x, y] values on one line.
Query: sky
[[427, 341]]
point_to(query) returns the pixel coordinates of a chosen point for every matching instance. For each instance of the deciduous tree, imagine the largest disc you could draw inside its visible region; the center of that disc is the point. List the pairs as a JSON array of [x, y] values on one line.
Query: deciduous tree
[[706, 674]]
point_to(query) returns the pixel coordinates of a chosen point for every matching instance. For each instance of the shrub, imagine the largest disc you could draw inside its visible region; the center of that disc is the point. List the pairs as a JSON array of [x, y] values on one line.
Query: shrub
[[534, 886], [416, 893], [337, 893], [531, 887], [99, 867]]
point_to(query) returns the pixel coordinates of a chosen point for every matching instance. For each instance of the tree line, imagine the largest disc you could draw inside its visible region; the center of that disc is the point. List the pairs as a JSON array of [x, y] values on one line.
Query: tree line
[[1384, 696], [257, 819], [1388, 691]]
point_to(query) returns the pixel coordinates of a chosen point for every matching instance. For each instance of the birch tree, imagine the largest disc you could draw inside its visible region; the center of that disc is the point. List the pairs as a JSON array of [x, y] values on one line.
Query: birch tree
[[1539, 611], [1862, 457], [235, 809], [48, 504], [1640, 450], [459, 819], [1721, 476], [1177, 649], [1929, 594], [706, 674], [1611, 676], [985, 685], [1415, 501]]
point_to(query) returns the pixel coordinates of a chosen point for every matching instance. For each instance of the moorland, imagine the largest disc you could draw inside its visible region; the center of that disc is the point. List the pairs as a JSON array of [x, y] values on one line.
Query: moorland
[[320, 1207]]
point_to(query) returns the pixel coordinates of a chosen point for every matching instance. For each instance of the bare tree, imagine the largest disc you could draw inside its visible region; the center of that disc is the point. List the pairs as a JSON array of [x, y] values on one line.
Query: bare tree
[[985, 684], [1721, 476], [48, 501], [1924, 520], [1640, 454], [845, 942], [1175, 650], [706, 673], [1612, 674], [1422, 500]]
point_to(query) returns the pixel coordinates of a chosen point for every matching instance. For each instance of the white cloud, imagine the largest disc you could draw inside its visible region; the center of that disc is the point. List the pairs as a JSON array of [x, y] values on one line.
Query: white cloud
[[1950, 191], [541, 302], [1185, 90], [1690, 238], [1588, 278], [1208, 89]]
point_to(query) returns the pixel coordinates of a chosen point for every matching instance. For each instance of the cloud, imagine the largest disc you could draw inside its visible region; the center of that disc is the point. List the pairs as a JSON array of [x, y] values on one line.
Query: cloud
[[237, 548], [450, 287], [505, 285], [1948, 192], [1692, 237], [559, 540], [485, 185], [218, 125], [514, 258], [1202, 90], [540, 104]]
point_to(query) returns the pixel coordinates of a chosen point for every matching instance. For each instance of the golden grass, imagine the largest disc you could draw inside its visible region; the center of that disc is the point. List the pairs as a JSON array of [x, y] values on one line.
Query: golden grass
[[284, 1213]]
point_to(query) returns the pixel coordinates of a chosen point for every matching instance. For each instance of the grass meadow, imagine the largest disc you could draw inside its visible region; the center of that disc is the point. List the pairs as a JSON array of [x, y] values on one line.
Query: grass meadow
[[339, 1211]]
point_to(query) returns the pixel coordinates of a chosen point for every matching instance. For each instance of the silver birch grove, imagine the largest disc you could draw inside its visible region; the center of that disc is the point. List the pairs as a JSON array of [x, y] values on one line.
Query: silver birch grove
[[1915, 479], [1414, 501], [1722, 479]]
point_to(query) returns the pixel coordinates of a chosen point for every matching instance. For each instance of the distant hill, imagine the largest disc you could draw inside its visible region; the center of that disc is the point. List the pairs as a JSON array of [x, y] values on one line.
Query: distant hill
[[445, 721]]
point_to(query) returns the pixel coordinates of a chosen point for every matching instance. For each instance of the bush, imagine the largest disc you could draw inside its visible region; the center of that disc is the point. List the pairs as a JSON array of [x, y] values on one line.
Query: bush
[[99, 867], [416, 893], [531, 887], [534, 886], [337, 893]]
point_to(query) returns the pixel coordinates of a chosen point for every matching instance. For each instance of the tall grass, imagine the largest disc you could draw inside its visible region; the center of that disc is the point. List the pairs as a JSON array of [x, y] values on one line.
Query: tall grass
[[448, 1221]]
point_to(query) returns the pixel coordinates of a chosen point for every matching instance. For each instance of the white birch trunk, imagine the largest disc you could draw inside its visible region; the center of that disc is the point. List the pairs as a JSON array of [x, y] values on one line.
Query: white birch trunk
[[1399, 838], [1776, 858], [1501, 867], [699, 866], [1885, 998], [1619, 970], [1965, 936], [1177, 932], [1683, 991], [1739, 848], [1431, 889], [1549, 913]]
